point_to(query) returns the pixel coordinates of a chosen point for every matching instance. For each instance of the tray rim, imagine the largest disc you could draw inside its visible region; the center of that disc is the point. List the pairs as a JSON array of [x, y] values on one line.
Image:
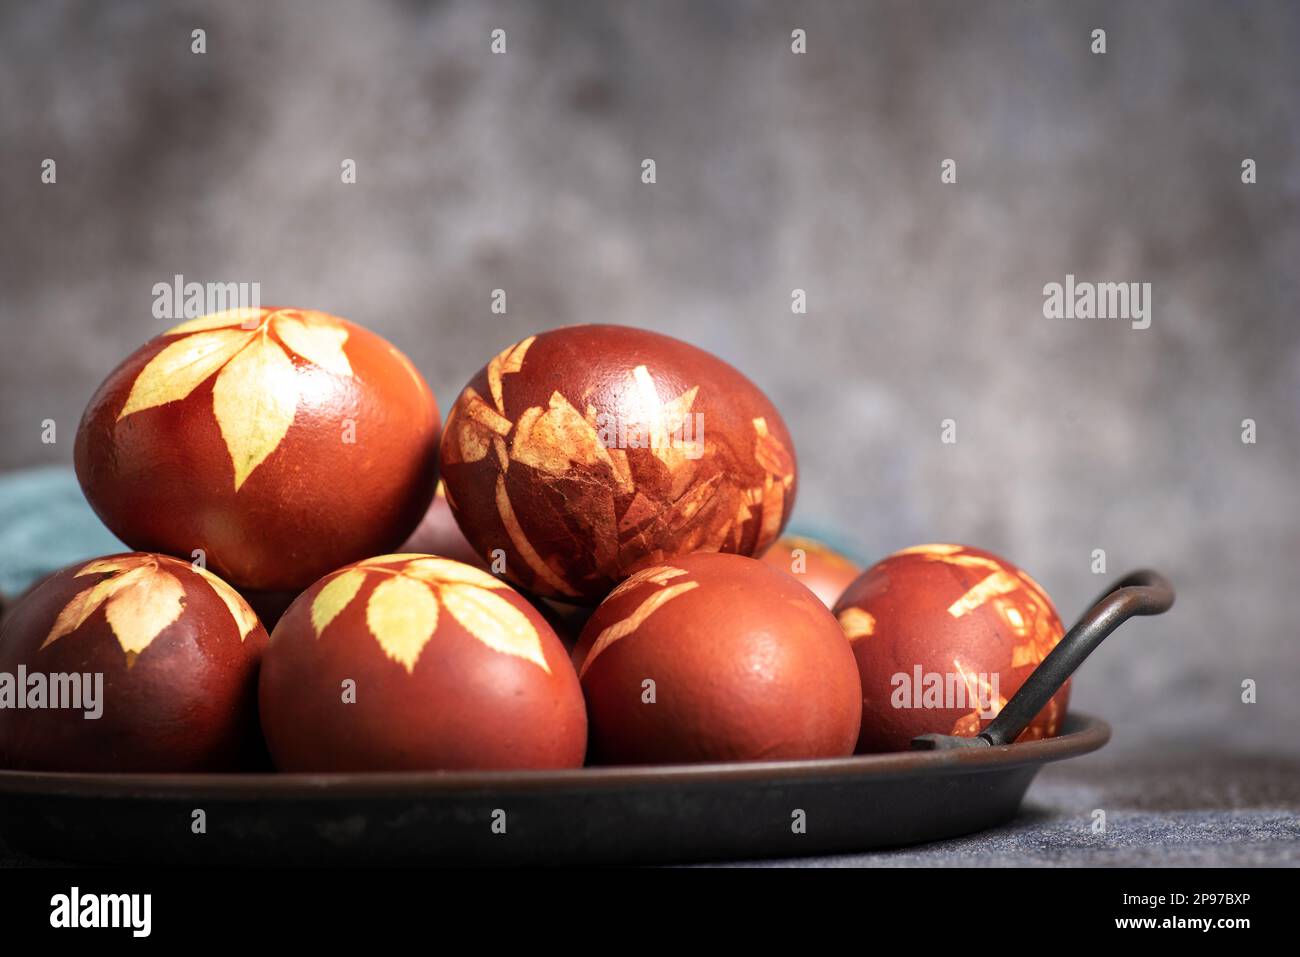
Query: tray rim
[[1082, 734]]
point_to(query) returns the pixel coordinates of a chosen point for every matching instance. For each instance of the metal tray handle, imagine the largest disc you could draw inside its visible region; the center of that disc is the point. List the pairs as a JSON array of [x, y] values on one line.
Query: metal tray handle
[[1142, 592]]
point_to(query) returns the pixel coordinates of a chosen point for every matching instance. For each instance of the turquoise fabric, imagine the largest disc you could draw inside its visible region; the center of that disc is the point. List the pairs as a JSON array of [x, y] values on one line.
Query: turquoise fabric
[[45, 523]]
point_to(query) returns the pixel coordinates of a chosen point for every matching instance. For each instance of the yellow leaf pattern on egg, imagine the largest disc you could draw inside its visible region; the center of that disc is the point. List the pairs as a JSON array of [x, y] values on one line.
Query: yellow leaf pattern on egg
[[394, 559], [402, 614], [139, 600], [321, 344], [995, 583], [221, 320], [85, 603], [625, 627], [102, 566], [656, 574], [522, 545], [693, 494], [482, 414], [445, 571], [930, 551], [257, 390], [178, 369], [1015, 597], [980, 694], [482, 424], [552, 440], [334, 597], [254, 400], [1035, 588], [245, 617], [494, 621], [769, 451], [667, 429], [138, 613], [857, 623], [504, 363]]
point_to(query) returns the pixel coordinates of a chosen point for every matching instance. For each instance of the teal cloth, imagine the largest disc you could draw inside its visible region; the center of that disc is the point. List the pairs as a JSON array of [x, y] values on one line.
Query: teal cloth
[[45, 524]]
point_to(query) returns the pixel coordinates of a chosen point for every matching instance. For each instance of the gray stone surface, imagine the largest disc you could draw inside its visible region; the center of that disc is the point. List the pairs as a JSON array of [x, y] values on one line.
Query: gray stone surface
[[775, 171], [1194, 810]]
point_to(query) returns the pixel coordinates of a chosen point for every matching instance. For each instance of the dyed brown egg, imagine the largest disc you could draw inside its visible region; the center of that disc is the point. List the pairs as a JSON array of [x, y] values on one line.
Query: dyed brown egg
[[9, 602], [282, 442], [818, 567], [415, 662], [586, 451], [716, 657], [438, 534], [943, 636], [177, 649]]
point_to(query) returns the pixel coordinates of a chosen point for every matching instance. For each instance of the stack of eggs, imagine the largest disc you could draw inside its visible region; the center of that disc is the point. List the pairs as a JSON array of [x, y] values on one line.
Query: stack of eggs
[[584, 565]]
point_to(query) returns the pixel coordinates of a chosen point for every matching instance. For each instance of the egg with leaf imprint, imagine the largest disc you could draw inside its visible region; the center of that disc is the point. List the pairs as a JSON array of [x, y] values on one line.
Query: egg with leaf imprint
[[944, 635], [584, 452], [164, 651], [277, 443], [716, 657], [417, 662]]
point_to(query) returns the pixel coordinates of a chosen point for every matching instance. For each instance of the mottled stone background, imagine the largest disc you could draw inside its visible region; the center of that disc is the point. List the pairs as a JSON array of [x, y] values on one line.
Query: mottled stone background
[[775, 171]]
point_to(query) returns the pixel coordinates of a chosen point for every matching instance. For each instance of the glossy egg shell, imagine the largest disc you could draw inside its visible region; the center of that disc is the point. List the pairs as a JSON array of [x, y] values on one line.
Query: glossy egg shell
[[451, 669], [815, 565], [960, 613], [178, 650], [746, 665], [283, 450], [586, 451]]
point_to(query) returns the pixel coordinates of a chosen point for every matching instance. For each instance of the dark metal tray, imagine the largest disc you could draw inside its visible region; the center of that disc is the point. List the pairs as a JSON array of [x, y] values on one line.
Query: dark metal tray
[[700, 812], [611, 815]]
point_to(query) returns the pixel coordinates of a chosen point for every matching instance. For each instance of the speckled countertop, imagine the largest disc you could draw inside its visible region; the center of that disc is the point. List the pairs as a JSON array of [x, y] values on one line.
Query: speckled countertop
[[1189, 810]]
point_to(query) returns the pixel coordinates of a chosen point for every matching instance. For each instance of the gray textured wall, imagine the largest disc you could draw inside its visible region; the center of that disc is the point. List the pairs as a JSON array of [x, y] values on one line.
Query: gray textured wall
[[775, 171]]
